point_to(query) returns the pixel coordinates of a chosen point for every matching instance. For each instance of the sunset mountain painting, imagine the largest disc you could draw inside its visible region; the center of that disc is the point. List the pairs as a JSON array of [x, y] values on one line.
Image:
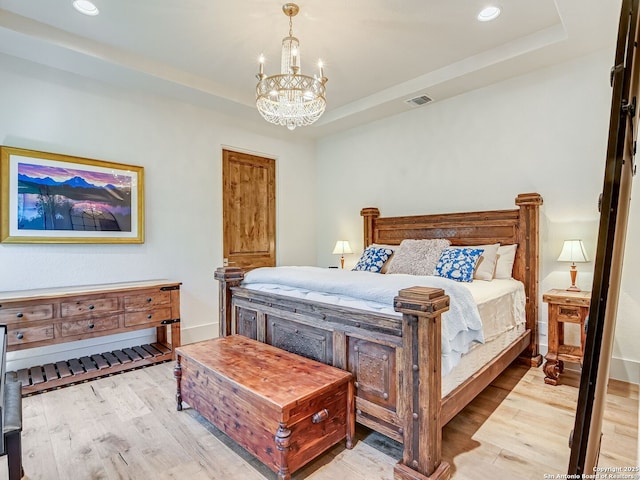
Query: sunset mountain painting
[[58, 198]]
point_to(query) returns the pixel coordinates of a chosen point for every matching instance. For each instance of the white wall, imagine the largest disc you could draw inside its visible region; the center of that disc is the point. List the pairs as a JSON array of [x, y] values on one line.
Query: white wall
[[545, 132], [179, 147]]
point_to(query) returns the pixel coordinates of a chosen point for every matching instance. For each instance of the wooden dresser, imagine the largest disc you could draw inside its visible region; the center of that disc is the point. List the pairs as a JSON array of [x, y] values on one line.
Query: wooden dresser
[[37, 318]]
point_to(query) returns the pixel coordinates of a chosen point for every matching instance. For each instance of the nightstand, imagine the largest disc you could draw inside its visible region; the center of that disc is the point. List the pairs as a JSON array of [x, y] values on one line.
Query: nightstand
[[564, 307]]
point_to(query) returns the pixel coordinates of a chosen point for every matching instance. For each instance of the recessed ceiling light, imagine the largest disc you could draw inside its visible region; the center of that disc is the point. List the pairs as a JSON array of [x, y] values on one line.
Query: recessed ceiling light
[[86, 7], [489, 13]]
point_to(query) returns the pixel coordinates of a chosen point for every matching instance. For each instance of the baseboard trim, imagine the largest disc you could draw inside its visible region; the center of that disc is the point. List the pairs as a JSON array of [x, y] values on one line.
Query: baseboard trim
[[199, 333], [625, 370]]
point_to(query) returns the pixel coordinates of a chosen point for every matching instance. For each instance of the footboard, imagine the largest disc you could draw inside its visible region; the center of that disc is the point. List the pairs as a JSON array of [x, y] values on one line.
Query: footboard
[[398, 384], [396, 360]]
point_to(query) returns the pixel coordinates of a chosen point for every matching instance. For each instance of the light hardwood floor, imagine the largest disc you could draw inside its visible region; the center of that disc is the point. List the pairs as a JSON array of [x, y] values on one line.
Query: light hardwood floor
[[126, 427]]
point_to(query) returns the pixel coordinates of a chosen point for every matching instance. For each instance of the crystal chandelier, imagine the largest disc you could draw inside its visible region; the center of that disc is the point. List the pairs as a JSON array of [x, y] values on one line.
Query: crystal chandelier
[[290, 98]]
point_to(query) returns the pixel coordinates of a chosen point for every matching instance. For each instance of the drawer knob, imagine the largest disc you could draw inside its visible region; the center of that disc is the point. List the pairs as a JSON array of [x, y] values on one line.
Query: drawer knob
[[320, 416], [91, 325], [149, 300], [19, 315], [19, 336], [149, 316], [355, 384], [385, 395], [91, 307]]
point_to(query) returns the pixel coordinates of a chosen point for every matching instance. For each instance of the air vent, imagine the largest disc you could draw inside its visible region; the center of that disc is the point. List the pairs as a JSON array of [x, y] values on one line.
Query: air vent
[[418, 101]]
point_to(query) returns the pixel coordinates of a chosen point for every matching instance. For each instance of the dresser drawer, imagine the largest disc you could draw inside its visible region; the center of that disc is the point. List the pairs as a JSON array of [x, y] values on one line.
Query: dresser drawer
[[148, 300], [569, 313], [21, 336], [93, 305], [85, 326], [151, 316], [26, 313]]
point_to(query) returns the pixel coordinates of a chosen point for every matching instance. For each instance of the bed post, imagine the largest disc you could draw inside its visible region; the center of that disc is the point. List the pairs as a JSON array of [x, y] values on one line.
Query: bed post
[[528, 237], [228, 277], [419, 401], [369, 214]]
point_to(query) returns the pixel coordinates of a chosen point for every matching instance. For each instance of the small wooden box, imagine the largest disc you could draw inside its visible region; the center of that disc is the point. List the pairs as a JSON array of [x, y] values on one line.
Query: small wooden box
[[283, 408]]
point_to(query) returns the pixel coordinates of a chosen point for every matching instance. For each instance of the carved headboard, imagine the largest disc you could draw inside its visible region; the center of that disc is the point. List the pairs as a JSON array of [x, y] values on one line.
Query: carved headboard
[[519, 225]]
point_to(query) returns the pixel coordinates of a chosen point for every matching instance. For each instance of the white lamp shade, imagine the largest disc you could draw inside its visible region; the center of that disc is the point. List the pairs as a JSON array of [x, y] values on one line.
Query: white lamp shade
[[573, 251], [342, 247]]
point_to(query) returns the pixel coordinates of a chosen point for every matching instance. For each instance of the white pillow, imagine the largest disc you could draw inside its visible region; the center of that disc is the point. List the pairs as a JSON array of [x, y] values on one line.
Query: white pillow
[[486, 266], [417, 257], [506, 257]]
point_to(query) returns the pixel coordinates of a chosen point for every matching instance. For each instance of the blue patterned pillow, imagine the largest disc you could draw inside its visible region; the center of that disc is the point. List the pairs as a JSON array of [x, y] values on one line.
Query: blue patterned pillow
[[458, 263], [373, 259]]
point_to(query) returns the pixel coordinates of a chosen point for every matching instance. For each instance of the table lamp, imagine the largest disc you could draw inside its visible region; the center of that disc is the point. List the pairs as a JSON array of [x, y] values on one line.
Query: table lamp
[[573, 251], [342, 247]]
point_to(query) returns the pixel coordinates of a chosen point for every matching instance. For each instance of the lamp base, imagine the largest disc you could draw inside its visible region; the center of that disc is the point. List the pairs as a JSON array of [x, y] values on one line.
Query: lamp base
[[573, 271]]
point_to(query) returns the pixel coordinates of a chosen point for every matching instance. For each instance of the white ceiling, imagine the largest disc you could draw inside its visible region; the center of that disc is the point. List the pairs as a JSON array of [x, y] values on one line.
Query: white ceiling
[[377, 53]]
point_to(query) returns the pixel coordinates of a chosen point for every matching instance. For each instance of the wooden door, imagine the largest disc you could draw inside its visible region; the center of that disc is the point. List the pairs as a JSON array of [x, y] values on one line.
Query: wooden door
[[249, 210]]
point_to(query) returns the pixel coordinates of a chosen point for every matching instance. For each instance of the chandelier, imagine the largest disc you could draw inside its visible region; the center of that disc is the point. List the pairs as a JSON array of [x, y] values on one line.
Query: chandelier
[[290, 99]]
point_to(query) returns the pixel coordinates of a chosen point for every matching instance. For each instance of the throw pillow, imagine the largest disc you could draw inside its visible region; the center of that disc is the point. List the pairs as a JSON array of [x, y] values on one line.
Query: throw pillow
[[486, 266], [373, 258], [417, 257], [458, 263], [393, 248]]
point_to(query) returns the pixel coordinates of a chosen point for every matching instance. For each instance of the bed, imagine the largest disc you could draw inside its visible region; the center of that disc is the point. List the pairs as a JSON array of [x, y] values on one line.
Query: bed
[[396, 358]]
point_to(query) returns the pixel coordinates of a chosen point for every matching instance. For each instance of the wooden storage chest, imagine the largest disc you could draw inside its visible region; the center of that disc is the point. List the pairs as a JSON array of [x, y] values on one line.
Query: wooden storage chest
[[283, 408]]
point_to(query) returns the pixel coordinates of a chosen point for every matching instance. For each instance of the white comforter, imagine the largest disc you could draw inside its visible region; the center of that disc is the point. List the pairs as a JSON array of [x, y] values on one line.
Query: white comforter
[[461, 325]]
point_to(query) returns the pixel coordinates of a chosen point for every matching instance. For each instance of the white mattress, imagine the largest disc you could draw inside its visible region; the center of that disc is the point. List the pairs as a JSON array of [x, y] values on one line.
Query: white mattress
[[501, 304], [478, 356]]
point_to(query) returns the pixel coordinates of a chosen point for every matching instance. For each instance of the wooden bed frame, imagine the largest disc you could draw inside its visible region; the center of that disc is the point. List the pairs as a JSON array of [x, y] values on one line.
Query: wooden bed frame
[[396, 360]]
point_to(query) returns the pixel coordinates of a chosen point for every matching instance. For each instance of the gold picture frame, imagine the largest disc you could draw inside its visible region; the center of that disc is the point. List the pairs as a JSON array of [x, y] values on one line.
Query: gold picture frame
[[54, 198]]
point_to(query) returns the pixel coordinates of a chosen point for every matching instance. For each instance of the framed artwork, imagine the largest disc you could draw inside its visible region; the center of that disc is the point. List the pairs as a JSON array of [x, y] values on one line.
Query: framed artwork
[[52, 198]]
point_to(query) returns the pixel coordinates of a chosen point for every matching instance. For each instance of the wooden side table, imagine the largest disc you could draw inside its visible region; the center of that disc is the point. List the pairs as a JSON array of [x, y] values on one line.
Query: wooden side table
[[564, 307]]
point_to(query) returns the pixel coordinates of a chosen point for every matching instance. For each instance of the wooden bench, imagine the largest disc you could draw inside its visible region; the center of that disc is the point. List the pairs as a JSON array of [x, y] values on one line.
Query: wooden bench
[[283, 408]]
